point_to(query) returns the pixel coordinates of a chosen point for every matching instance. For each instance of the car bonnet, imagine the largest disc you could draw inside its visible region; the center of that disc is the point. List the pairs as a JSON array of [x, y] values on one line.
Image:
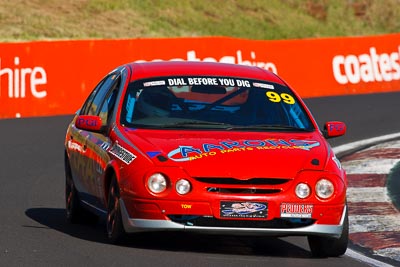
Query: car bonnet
[[233, 154]]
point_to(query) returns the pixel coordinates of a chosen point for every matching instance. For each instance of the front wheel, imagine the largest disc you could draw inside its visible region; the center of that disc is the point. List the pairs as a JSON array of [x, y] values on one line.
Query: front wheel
[[329, 246], [115, 228]]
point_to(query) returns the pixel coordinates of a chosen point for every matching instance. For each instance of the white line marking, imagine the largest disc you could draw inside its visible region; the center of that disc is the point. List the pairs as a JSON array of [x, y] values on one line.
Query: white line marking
[[370, 261]]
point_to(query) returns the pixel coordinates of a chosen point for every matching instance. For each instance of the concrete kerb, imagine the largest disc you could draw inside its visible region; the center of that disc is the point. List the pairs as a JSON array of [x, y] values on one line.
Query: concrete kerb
[[344, 150], [350, 148]]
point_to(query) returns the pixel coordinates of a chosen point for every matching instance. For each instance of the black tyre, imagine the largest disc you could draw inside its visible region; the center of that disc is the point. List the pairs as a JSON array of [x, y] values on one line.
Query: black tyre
[[72, 203], [328, 246], [115, 228], [74, 211]]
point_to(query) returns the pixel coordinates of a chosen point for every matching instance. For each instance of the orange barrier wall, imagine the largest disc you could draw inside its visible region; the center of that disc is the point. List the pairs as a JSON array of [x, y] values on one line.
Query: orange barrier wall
[[48, 78]]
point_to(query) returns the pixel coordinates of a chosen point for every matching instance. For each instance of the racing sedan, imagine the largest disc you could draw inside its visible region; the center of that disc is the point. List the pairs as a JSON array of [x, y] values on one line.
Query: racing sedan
[[206, 147]]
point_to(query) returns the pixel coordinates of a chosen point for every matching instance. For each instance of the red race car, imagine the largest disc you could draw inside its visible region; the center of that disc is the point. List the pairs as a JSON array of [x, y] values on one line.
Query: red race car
[[205, 147]]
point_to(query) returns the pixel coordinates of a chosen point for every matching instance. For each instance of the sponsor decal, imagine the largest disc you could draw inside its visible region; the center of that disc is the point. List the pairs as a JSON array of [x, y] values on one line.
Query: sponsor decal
[[243, 209], [237, 58], [92, 138], [186, 153], [23, 81], [264, 85], [293, 210], [104, 145], [74, 146], [189, 81], [88, 122], [153, 154], [335, 127], [154, 83], [367, 67], [121, 153]]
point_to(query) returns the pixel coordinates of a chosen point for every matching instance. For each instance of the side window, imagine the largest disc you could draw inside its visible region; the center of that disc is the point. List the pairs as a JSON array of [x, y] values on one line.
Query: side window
[[107, 106], [101, 94], [93, 104], [85, 108]]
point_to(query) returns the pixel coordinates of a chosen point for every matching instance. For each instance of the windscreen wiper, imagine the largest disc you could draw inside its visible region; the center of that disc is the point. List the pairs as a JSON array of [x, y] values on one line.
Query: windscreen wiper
[[274, 127], [195, 124]]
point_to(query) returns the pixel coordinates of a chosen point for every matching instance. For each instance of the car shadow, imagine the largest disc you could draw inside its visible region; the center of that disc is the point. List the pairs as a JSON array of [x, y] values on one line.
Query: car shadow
[[54, 218]]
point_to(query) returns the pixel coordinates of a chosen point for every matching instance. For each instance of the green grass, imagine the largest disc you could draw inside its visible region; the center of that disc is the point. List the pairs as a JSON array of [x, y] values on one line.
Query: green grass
[[253, 19]]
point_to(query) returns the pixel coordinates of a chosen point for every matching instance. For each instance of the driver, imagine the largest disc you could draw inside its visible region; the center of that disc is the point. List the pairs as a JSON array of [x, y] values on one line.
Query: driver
[[154, 102]]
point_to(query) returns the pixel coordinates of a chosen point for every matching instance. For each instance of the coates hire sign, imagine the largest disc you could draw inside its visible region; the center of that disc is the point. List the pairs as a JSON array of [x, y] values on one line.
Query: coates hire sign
[[49, 78]]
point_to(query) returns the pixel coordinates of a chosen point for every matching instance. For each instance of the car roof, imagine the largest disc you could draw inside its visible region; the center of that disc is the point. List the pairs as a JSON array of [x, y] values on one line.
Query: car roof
[[187, 68]]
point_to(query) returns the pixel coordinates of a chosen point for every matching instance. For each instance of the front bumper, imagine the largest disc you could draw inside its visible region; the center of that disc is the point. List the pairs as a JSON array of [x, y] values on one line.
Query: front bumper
[[137, 225]]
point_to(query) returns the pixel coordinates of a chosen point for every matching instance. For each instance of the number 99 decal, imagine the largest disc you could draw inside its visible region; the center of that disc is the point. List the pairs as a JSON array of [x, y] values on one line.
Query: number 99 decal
[[275, 97]]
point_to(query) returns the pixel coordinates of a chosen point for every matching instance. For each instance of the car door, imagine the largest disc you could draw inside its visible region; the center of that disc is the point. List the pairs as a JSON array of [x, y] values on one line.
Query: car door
[[77, 138], [99, 143], [95, 144]]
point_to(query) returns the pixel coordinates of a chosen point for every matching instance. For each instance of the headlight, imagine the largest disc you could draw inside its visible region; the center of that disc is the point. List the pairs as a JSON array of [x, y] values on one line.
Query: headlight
[[183, 186], [324, 188], [157, 183], [302, 190]]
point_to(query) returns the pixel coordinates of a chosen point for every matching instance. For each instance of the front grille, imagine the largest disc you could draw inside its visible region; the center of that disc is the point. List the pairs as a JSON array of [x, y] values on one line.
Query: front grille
[[242, 190], [259, 186], [207, 221], [252, 181]]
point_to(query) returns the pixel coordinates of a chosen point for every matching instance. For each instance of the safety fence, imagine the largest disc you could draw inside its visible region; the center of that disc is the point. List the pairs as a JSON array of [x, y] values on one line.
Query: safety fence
[[46, 78]]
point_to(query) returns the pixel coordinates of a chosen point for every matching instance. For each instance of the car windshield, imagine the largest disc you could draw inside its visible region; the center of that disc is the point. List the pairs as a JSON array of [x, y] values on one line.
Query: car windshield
[[220, 103]]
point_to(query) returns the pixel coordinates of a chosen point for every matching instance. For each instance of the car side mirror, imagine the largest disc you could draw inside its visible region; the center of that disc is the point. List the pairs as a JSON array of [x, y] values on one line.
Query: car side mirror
[[334, 129], [88, 123]]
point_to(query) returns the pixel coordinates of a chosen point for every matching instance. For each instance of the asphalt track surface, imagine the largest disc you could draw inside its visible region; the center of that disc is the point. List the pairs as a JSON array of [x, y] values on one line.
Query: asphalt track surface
[[34, 232]]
